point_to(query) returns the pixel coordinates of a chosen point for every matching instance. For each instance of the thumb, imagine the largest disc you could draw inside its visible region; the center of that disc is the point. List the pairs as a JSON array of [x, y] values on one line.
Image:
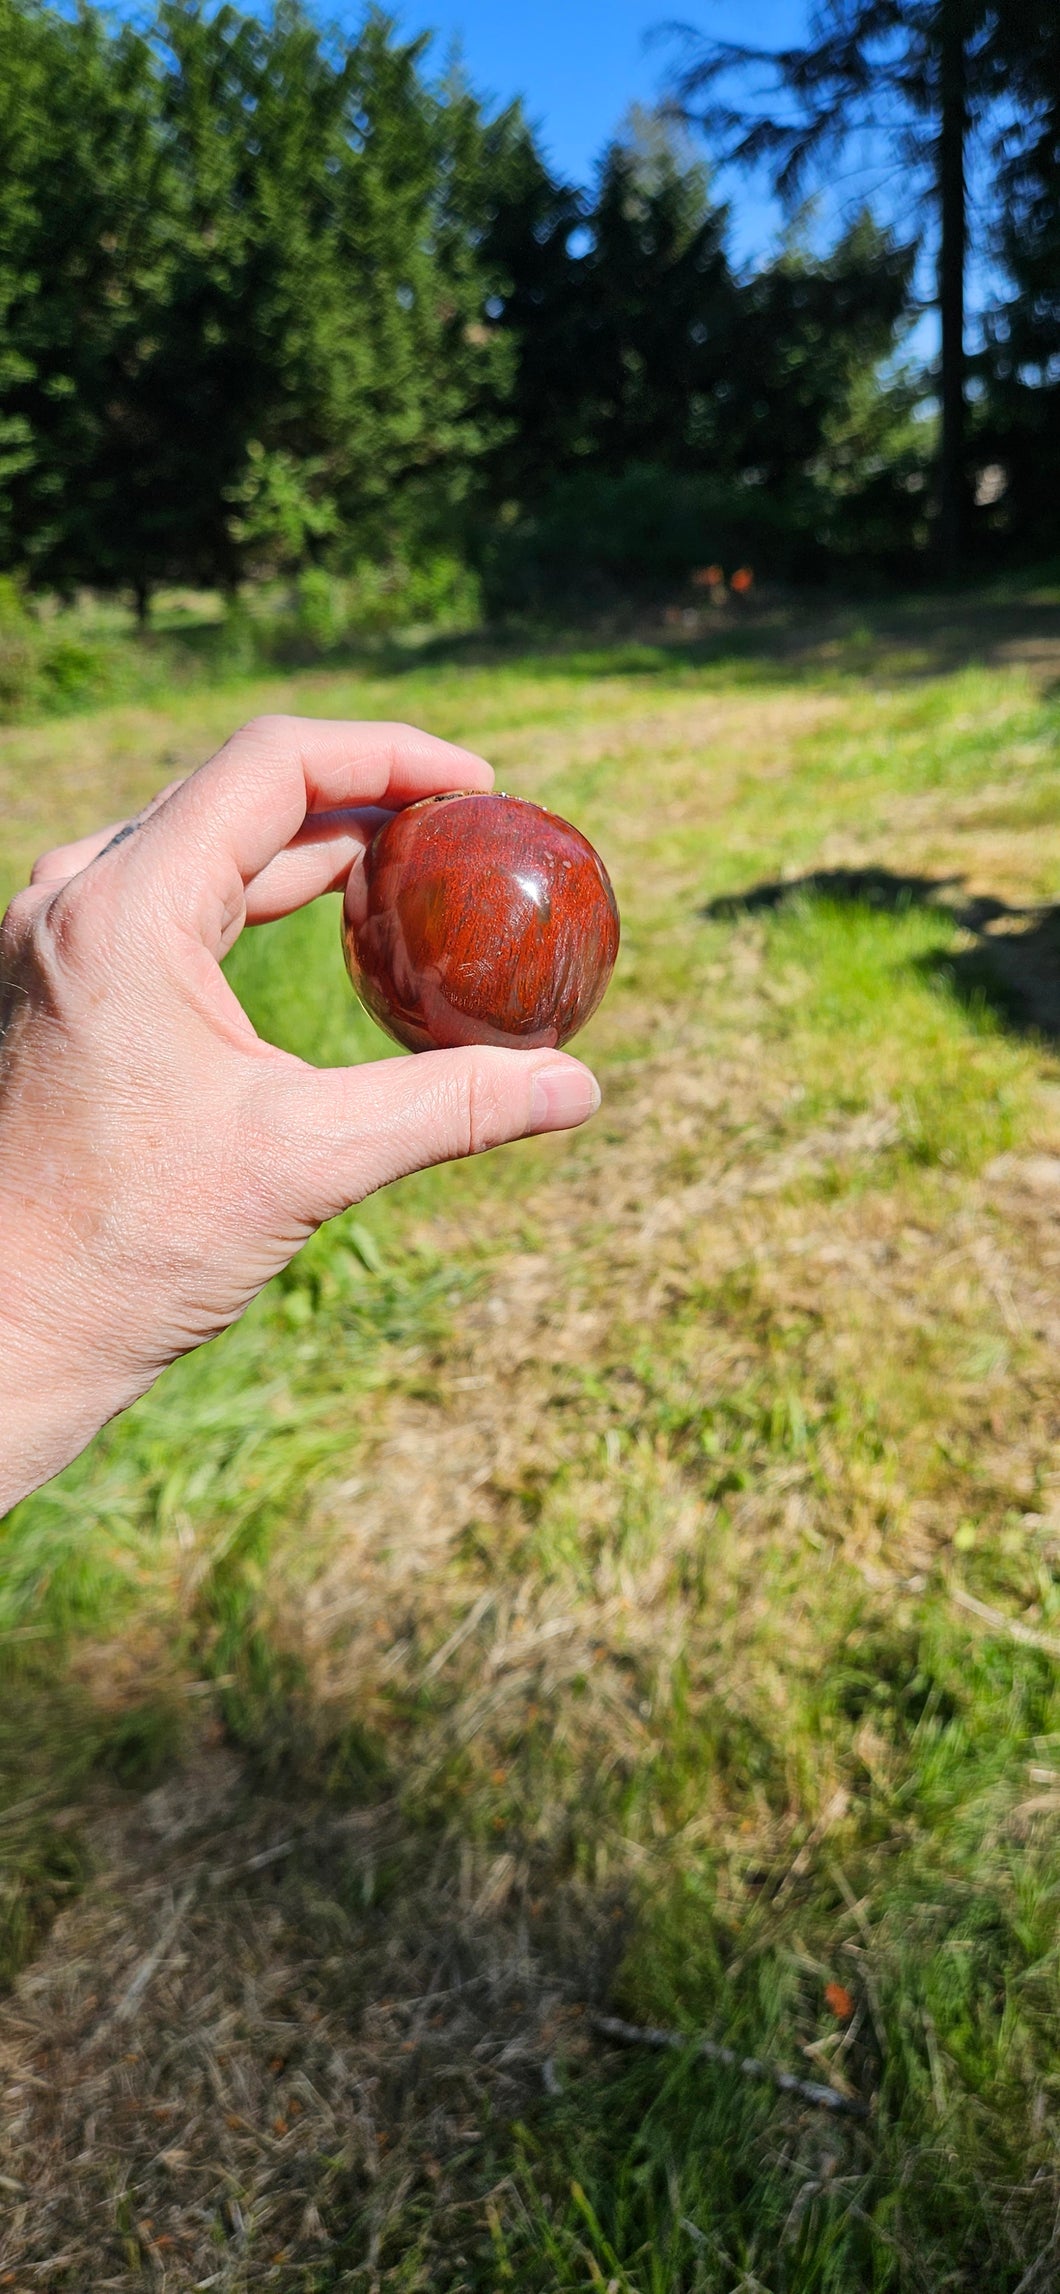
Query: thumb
[[360, 1127]]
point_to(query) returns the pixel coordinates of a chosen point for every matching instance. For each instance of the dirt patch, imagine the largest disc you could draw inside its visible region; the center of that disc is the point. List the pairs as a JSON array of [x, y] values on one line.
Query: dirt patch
[[199, 2083]]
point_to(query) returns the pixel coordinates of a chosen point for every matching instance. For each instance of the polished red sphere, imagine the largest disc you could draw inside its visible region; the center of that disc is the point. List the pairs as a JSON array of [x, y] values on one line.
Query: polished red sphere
[[481, 919]]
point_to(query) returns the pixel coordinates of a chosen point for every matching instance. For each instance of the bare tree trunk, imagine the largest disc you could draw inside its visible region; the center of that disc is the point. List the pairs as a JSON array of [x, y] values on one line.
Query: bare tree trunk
[[142, 598], [953, 217]]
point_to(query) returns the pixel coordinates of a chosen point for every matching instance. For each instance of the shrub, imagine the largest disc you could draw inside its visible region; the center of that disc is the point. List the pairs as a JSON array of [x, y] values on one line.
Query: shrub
[[320, 608], [374, 597], [432, 586], [45, 669], [18, 652], [639, 530]]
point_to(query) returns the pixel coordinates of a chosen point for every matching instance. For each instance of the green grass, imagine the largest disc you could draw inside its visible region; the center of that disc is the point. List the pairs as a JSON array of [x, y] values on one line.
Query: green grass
[[741, 1395]]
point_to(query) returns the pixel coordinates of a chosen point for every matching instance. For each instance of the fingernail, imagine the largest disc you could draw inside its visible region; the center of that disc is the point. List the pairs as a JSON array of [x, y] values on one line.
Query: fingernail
[[562, 1095]]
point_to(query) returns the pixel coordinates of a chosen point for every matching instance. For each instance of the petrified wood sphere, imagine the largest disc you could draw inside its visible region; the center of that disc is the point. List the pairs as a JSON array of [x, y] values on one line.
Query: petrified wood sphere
[[481, 919]]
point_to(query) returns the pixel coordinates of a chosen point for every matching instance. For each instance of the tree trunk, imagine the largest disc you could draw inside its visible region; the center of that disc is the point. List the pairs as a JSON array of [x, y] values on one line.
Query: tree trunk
[[953, 218], [142, 595]]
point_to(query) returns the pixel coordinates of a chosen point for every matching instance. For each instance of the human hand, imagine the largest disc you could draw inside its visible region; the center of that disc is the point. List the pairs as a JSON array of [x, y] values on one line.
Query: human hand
[[158, 1161]]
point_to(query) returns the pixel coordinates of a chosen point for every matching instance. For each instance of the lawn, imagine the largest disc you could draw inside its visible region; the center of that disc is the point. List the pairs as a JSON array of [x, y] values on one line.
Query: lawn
[[616, 1577]]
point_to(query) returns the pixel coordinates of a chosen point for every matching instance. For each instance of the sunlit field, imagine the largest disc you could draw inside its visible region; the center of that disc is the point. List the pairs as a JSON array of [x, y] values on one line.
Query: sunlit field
[[617, 1577]]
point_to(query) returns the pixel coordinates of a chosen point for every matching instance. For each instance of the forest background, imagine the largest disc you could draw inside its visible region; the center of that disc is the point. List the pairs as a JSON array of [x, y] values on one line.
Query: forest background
[[278, 306]]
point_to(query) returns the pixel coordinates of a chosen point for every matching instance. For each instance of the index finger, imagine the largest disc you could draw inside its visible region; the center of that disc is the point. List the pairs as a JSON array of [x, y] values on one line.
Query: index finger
[[223, 825]]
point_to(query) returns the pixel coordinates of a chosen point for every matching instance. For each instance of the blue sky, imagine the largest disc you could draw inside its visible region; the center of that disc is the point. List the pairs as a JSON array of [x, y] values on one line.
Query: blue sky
[[579, 64]]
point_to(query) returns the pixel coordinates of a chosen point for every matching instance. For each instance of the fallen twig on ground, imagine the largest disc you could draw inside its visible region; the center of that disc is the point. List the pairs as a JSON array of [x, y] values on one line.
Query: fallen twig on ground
[[131, 1997], [1026, 1635], [808, 2090]]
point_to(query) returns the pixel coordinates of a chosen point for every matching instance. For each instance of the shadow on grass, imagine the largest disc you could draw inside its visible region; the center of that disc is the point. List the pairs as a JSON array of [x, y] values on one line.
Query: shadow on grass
[[779, 636], [292, 2013], [905, 637], [1012, 966], [786, 634], [325, 2019], [344, 2039]]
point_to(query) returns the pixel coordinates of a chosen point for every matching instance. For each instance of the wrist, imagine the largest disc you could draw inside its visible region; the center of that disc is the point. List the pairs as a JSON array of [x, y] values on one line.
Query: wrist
[[49, 1411], [57, 1386]]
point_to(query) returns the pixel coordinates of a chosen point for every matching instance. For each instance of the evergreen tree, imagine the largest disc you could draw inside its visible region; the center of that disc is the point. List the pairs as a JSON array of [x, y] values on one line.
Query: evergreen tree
[[23, 84], [84, 209], [244, 294], [322, 355], [1022, 422], [638, 348], [925, 72], [810, 331], [656, 304], [619, 303], [529, 224]]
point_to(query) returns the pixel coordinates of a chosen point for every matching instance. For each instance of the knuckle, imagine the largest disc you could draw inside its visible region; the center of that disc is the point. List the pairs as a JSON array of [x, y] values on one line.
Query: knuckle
[[70, 924], [406, 742], [48, 864], [76, 933], [32, 974], [16, 956], [279, 1154], [18, 920], [270, 726], [480, 1125]]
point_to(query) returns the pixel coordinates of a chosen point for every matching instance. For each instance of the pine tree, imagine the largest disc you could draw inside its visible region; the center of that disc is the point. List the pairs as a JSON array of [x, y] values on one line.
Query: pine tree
[[637, 346], [84, 213], [1022, 421], [618, 302], [244, 293], [23, 83], [925, 73]]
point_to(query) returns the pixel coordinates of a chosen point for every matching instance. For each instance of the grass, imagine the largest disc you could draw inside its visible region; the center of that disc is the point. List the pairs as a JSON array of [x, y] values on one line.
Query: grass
[[618, 1573], [59, 659]]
